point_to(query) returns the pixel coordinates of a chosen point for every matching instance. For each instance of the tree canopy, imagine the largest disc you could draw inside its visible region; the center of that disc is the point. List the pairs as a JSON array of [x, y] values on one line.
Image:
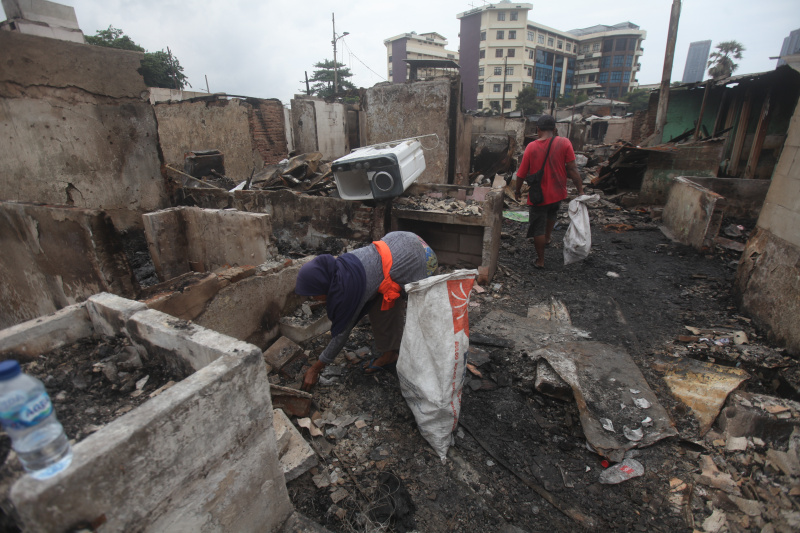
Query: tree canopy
[[159, 69], [639, 100], [322, 79], [527, 102], [720, 63]]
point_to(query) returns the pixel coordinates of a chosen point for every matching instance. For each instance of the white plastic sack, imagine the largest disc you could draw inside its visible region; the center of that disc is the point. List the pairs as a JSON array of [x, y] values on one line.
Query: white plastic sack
[[432, 363], [578, 239]]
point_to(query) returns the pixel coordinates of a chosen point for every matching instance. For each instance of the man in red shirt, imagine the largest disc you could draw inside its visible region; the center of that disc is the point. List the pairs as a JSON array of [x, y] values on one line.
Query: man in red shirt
[[560, 164]]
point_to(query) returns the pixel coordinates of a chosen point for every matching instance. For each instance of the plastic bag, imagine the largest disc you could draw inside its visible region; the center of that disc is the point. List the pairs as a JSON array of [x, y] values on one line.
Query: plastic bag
[[627, 469], [578, 239], [432, 364]]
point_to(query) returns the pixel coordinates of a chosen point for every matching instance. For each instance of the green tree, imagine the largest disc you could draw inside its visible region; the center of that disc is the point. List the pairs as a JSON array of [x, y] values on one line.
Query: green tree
[[720, 63], [322, 79], [575, 97], [527, 102], [159, 69], [639, 100]]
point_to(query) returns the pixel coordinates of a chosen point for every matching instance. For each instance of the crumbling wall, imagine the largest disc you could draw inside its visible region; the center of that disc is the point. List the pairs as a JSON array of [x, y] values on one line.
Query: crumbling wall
[[189, 239], [700, 159], [54, 257], [75, 129], [768, 278], [310, 221], [251, 133], [510, 126], [619, 129], [321, 126], [400, 111]]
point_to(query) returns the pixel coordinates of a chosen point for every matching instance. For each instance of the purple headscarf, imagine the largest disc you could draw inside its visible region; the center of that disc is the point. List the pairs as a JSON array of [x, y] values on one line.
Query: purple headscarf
[[343, 280]]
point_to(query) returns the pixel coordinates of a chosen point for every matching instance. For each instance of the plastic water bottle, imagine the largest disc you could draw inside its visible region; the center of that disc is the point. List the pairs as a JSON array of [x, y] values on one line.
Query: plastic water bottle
[[28, 417]]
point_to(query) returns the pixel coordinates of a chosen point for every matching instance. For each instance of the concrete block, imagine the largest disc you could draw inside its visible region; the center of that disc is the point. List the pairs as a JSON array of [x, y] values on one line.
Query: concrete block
[[182, 346], [690, 213], [40, 335], [200, 456], [282, 352], [49, 13], [548, 382], [298, 457], [302, 332], [109, 312], [281, 423]]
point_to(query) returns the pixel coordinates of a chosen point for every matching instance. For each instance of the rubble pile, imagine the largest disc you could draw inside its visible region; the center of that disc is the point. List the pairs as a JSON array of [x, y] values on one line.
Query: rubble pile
[[442, 205], [305, 173]]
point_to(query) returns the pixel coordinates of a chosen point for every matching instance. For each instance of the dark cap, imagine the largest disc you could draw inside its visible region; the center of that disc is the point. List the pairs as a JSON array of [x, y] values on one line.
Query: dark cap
[[546, 122]]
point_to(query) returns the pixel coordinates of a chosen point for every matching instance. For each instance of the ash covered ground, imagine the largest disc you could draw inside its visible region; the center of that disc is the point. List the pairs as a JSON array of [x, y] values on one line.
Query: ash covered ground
[[520, 460]]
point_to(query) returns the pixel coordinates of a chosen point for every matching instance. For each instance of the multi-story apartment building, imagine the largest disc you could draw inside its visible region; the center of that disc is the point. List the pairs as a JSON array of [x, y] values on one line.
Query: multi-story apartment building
[[502, 52], [414, 46]]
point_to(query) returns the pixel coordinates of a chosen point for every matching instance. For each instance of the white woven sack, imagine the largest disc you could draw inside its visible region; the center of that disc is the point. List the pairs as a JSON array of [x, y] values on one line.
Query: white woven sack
[[433, 352], [578, 239]]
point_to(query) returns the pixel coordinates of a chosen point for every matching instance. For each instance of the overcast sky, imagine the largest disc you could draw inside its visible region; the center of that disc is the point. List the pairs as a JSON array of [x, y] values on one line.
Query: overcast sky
[[262, 48]]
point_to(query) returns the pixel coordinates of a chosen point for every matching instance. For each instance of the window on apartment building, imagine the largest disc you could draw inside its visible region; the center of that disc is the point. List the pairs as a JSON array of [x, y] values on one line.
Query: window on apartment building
[[619, 60], [480, 71], [390, 59], [613, 92], [542, 57], [508, 87], [496, 88], [501, 34], [602, 77], [530, 54], [498, 71], [482, 54], [480, 87], [451, 56], [629, 61], [390, 73], [608, 45], [512, 34], [626, 77], [616, 77], [511, 52], [621, 44], [569, 47], [540, 39], [483, 36], [530, 35], [605, 62], [582, 79], [550, 41], [495, 105], [595, 47], [591, 78], [509, 71], [498, 52], [501, 15], [507, 104], [560, 45], [514, 15], [584, 48], [632, 44], [530, 72]]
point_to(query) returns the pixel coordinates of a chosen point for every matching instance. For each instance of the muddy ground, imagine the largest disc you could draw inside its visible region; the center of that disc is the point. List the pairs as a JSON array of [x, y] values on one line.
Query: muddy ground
[[520, 460]]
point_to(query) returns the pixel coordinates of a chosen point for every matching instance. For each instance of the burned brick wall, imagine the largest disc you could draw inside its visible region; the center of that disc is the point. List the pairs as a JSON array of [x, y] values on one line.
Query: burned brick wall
[[268, 127]]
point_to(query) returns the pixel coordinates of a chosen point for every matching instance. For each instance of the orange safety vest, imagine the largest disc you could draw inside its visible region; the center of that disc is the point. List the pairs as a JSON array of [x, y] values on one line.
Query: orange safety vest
[[389, 289]]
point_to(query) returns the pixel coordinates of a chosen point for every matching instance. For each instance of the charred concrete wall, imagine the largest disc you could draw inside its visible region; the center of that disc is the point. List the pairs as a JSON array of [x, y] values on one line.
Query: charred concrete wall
[[683, 160], [54, 257], [251, 132], [75, 129], [331, 128], [399, 111], [307, 220], [768, 278]]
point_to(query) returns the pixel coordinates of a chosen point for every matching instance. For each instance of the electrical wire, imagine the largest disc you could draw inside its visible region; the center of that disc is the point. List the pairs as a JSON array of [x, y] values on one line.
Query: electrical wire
[[350, 51]]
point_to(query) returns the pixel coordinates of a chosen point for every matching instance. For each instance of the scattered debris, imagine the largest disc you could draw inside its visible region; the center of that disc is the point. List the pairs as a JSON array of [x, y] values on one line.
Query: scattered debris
[[627, 469]]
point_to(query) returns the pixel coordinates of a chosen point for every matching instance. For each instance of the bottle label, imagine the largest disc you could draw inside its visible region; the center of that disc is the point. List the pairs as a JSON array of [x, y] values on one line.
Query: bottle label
[[30, 413]]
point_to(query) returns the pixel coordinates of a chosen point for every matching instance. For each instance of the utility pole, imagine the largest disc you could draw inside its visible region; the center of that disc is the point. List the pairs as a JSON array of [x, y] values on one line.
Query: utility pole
[[335, 69], [503, 97], [663, 95]]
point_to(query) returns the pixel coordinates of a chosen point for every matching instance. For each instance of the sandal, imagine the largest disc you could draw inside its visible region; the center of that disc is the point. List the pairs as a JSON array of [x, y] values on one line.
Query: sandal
[[369, 367]]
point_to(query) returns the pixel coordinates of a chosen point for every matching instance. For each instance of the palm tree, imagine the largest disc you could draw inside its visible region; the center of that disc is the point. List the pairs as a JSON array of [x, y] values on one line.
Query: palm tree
[[720, 64]]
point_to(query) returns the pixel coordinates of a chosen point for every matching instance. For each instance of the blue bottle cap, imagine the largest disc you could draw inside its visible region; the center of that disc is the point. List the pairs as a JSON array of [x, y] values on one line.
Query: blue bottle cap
[[9, 369]]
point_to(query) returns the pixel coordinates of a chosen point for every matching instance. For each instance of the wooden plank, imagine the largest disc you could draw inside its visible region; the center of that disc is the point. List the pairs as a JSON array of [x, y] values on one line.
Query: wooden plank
[[709, 83], [741, 133], [758, 141]]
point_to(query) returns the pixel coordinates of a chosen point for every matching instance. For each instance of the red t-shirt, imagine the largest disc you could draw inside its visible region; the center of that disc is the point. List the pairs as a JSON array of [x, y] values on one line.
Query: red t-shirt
[[554, 181]]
